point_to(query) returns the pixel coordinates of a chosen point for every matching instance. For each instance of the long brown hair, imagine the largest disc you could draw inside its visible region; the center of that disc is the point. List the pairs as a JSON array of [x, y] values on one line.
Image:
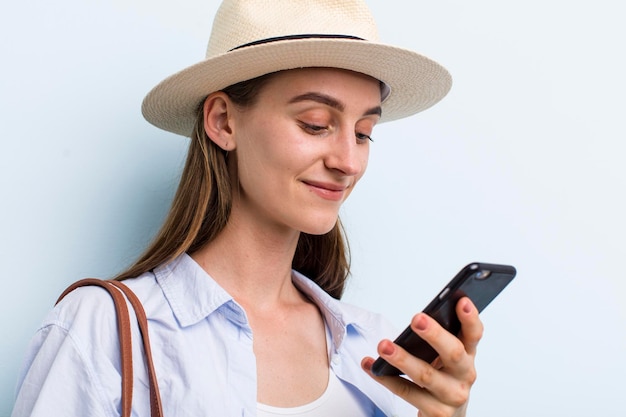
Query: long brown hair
[[202, 204]]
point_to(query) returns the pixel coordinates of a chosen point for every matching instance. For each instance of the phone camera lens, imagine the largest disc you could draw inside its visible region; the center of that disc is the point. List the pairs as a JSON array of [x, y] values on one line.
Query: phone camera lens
[[484, 274]]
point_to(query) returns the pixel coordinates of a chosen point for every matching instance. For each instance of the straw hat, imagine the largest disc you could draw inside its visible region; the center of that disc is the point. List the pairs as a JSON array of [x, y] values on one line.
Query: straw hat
[[251, 38]]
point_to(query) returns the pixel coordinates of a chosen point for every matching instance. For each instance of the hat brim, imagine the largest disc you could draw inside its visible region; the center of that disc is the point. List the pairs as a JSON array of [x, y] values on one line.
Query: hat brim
[[415, 81]]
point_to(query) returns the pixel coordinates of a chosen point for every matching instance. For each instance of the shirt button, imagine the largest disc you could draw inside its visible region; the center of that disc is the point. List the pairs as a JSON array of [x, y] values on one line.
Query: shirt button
[[336, 360]]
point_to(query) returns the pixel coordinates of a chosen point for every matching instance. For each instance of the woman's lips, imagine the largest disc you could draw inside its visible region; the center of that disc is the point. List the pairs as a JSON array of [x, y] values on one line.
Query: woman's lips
[[328, 191]]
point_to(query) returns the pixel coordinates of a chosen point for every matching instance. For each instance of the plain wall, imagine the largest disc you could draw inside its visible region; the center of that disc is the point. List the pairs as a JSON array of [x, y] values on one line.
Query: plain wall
[[522, 163]]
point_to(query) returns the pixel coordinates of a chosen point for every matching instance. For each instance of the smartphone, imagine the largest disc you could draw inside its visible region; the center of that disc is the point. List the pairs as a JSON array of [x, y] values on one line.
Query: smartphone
[[481, 282]]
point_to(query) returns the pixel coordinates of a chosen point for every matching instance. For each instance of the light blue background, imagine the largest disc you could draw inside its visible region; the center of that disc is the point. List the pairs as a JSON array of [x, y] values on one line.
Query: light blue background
[[522, 163]]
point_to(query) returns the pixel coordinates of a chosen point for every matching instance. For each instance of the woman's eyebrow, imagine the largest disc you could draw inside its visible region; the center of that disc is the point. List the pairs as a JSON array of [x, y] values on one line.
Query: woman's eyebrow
[[331, 102]]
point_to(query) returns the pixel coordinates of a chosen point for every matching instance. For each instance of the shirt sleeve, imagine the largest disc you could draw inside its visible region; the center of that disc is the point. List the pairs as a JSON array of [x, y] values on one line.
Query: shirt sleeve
[[67, 369], [56, 380]]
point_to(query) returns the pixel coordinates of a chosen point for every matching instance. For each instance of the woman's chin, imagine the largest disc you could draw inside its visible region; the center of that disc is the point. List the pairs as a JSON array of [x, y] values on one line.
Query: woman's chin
[[320, 227]]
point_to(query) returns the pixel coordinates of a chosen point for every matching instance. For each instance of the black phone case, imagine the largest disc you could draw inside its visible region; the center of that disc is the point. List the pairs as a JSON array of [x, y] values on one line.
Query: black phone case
[[481, 282]]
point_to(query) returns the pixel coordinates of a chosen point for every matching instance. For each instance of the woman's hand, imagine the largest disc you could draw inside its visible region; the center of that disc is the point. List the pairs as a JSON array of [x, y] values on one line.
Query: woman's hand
[[440, 389]]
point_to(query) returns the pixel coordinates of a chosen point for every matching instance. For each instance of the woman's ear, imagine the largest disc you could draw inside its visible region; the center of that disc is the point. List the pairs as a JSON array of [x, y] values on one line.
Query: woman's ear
[[217, 119]]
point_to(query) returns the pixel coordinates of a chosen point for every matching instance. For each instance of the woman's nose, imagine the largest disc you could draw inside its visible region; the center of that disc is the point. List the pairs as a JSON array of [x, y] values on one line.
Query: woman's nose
[[347, 155]]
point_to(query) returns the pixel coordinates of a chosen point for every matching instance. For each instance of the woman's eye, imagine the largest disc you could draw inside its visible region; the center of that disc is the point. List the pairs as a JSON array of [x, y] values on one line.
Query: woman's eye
[[314, 129], [364, 137]]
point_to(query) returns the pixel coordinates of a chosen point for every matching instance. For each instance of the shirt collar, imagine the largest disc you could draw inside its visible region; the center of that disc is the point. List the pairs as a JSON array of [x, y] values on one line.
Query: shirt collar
[[193, 295], [340, 317]]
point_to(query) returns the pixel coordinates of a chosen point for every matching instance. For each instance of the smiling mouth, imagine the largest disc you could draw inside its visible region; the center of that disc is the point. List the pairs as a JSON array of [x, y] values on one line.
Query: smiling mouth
[[327, 191]]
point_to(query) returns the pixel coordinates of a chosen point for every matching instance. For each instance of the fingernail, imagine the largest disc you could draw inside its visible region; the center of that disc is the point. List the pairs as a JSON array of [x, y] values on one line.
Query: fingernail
[[420, 323], [467, 308], [388, 349]]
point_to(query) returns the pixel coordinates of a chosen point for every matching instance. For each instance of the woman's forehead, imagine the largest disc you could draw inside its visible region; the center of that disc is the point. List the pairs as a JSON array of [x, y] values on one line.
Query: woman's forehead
[[330, 81]]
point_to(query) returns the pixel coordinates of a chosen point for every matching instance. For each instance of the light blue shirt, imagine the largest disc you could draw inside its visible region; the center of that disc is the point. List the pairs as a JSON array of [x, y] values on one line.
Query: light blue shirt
[[202, 346]]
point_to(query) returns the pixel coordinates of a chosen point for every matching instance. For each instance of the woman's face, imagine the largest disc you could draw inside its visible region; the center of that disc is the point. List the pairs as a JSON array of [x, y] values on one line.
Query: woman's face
[[303, 146]]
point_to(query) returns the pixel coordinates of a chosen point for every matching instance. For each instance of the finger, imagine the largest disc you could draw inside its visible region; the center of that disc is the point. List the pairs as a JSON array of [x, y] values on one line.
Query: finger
[[419, 397], [400, 386], [471, 325], [452, 352], [443, 386]]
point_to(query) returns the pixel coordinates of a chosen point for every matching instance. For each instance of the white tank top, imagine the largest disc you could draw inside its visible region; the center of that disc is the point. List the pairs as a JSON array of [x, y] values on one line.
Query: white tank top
[[337, 400]]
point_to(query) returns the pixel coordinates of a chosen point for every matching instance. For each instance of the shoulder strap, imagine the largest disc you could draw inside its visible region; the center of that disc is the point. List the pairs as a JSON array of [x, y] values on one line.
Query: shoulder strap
[[156, 410], [117, 290]]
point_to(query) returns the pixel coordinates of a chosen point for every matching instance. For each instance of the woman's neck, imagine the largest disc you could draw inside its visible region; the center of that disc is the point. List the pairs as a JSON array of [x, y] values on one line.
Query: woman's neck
[[252, 263]]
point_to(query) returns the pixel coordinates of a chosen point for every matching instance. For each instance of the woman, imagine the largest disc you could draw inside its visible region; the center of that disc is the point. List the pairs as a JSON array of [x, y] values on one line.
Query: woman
[[242, 284]]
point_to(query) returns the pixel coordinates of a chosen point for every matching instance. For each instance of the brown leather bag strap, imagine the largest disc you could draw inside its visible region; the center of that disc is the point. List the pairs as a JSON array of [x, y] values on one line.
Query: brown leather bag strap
[[156, 409], [117, 290]]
